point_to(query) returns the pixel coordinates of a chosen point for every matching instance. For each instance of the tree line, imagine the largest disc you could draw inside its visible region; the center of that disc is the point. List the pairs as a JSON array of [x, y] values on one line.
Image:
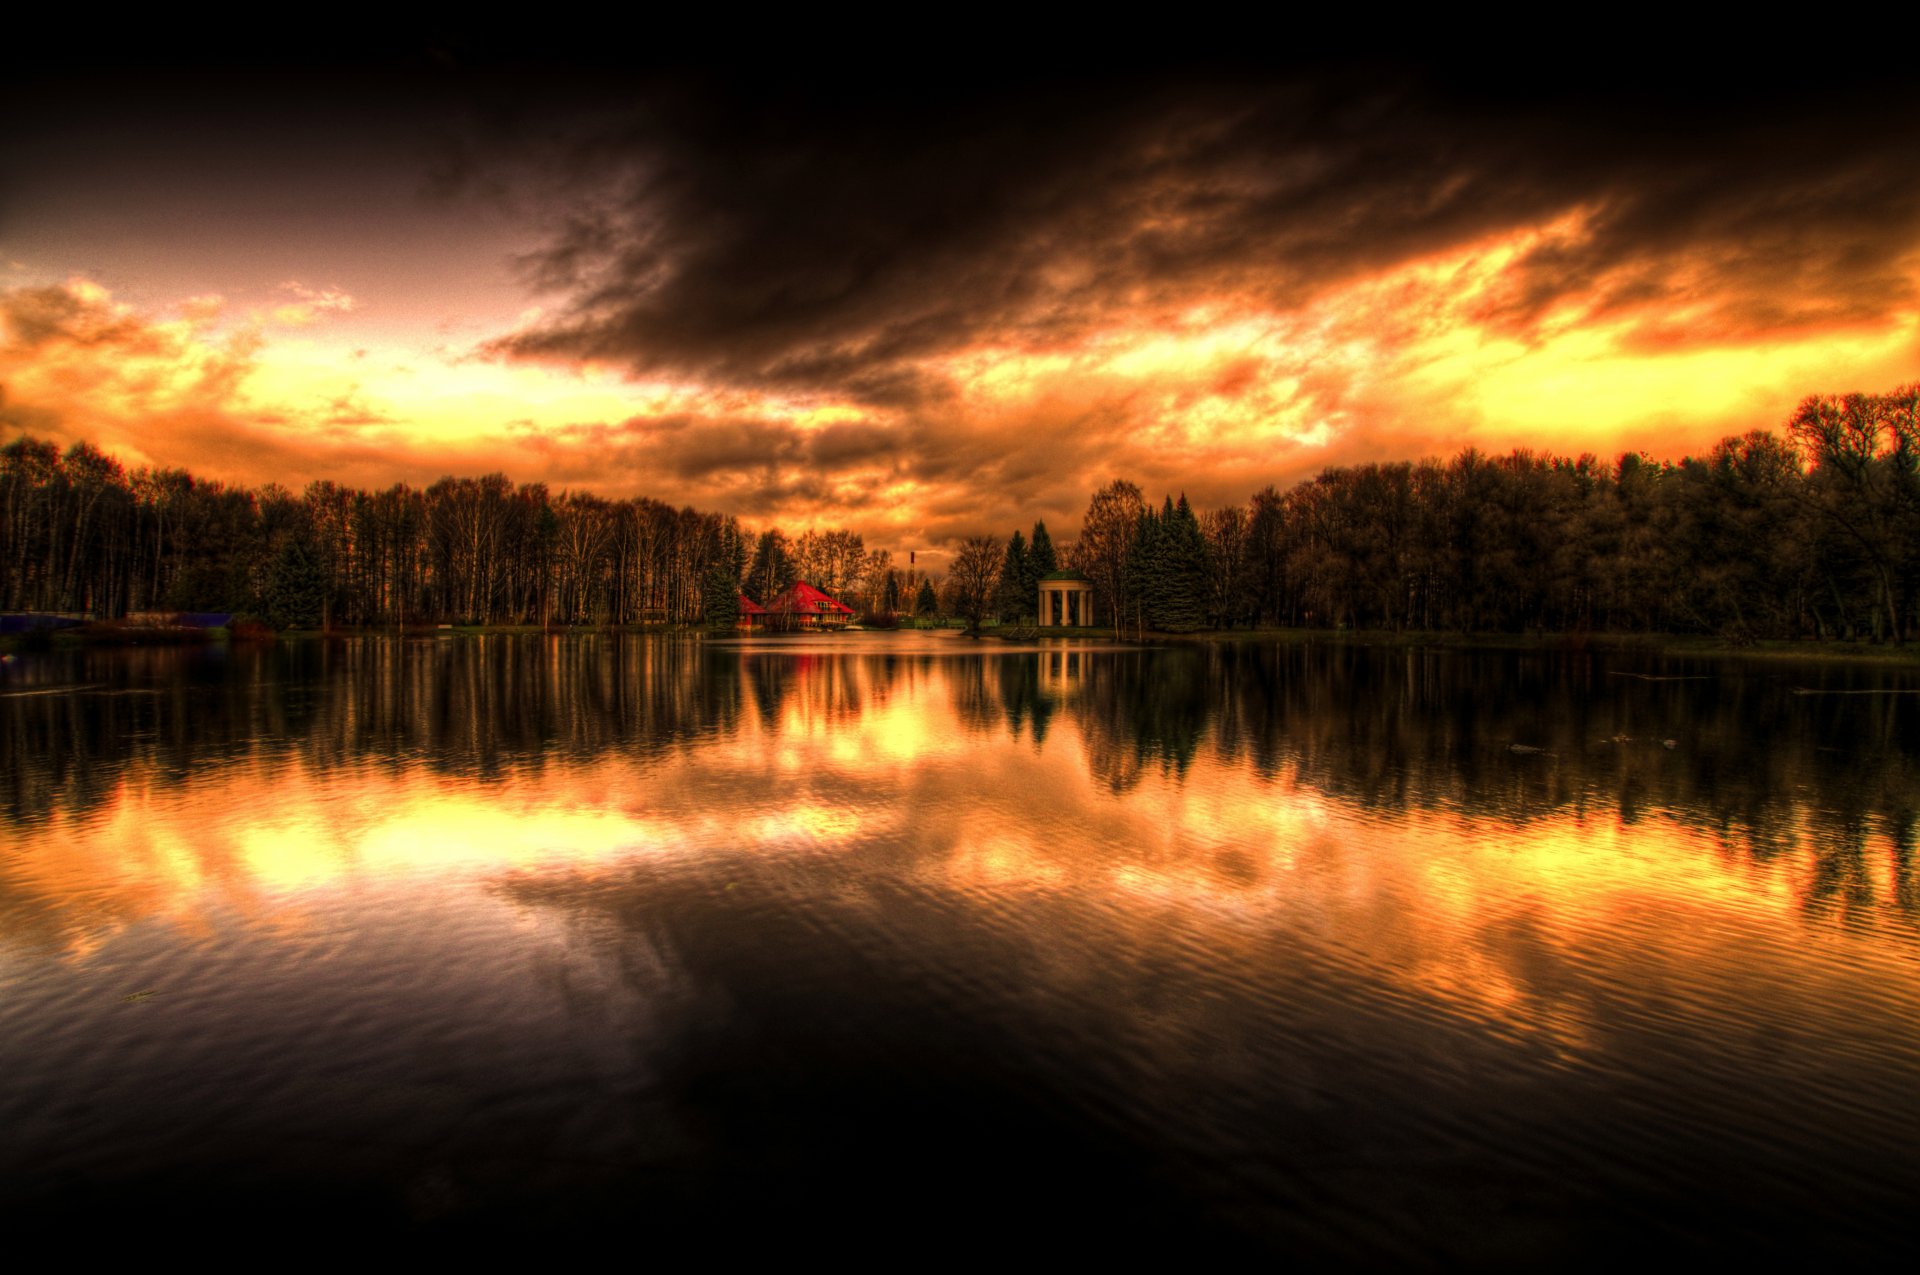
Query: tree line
[[1810, 532], [79, 533]]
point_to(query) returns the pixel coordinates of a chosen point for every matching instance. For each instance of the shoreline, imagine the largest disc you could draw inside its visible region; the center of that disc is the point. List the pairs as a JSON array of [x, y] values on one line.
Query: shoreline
[[1654, 644], [1700, 646]]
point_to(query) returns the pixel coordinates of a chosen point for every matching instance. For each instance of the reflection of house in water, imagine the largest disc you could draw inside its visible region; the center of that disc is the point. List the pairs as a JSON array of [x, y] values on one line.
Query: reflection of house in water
[[801, 606]]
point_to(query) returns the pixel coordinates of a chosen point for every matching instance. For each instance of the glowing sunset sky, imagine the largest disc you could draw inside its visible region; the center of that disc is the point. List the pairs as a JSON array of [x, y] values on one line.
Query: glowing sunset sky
[[925, 308]]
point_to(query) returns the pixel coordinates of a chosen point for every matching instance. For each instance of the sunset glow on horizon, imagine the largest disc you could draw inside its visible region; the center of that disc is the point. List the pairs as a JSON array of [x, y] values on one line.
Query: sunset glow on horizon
[[802, 310]]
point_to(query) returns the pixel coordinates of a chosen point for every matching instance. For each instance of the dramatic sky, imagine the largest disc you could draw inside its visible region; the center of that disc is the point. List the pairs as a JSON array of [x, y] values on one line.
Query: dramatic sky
[[925, 306]]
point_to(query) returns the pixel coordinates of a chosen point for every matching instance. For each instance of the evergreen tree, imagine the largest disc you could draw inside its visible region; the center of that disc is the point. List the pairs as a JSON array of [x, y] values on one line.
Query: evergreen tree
[[1014, 598], [1167, 569], [296, 593], [925, 603], [1140, 579], [1183, 571], [722, 598], [1042, 560]]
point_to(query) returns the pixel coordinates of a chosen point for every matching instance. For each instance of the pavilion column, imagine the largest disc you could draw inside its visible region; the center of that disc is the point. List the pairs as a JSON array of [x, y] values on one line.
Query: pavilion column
[[1046, 605]]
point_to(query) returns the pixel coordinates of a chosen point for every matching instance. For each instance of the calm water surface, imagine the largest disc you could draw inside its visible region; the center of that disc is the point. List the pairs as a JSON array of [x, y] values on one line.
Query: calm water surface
[[898, 946]]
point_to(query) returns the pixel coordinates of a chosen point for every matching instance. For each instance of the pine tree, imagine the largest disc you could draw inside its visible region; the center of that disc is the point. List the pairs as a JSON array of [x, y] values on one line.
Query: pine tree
[[1183, 571], [1167, 569], [722, 599], [296, 593], [1142, 577], [1035, 572], [1014, 598], [1042, 559], [925, 603]]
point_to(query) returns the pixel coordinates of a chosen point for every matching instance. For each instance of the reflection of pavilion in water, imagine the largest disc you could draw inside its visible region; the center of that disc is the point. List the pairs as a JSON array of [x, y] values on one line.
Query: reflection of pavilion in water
[[1061, 672]]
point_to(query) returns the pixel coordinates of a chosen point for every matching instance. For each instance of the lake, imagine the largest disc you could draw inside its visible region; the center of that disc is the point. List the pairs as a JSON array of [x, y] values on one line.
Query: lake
[[895, 947]]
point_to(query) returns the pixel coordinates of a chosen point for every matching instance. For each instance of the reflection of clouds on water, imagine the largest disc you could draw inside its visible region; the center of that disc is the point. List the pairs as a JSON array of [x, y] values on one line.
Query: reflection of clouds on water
[[1251, 785]]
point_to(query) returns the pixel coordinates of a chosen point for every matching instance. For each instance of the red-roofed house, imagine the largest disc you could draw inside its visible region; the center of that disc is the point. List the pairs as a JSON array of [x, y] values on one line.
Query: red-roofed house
[[752, 614], [801, 606]]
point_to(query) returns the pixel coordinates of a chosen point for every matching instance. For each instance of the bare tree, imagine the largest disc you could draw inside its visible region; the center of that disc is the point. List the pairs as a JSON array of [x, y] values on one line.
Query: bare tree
[[1226, 533], [972, 579], [1106, 540]]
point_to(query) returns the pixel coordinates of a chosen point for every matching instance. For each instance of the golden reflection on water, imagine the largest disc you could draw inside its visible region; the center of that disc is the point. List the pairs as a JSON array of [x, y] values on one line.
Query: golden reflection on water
[[1040, 774]]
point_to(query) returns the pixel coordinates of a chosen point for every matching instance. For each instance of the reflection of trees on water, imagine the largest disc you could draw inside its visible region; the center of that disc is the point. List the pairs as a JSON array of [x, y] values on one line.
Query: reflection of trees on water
[[1734, 749], [816, 687], [1138, 710], [1030, 691], [468, 706], [1841, 879], [1728, 748], [477, 706]]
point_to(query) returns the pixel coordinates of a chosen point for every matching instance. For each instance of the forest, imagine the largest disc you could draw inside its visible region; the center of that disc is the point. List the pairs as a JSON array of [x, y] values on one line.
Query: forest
[[80, 534], [1810, 532]]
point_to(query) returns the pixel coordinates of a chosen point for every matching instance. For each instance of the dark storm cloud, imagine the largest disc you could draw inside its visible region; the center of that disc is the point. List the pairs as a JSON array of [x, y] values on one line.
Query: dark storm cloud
[[832, 226], [1766, 224], [763, 468], [802, 240], [692, 448]]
